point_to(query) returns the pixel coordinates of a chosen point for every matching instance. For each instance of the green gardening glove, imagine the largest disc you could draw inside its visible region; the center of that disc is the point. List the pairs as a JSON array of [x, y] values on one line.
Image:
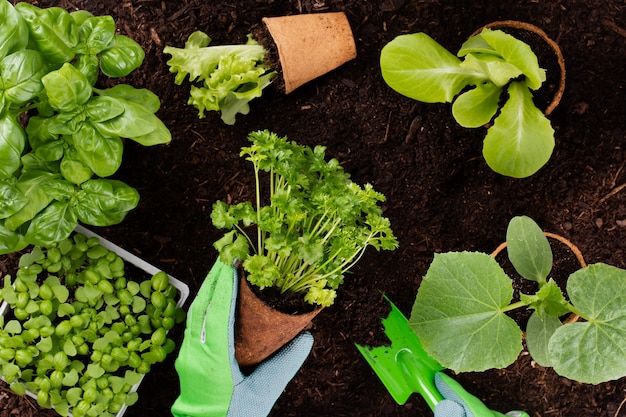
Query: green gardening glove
[[211, 383]]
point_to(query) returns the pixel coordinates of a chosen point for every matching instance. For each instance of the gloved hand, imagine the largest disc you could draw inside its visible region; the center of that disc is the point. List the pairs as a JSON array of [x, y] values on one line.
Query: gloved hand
[[211, 383], [460, 403]]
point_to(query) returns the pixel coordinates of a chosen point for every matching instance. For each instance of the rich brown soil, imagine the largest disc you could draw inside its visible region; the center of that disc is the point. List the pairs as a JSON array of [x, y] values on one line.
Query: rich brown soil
[[441, 196]]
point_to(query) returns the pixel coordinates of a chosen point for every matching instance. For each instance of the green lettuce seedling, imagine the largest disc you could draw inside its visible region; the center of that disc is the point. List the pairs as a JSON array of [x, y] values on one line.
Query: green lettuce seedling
[[227, 77], [316, 227], [520, 140], [53, 172], [460, 312]]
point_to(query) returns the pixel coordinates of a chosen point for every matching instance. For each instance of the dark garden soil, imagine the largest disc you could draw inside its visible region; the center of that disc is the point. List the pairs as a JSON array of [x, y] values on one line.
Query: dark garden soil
[[441, 196]]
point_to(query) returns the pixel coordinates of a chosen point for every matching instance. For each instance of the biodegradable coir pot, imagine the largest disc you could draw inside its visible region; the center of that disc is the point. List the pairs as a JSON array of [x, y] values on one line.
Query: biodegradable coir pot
[[310, 45], [261, 330]]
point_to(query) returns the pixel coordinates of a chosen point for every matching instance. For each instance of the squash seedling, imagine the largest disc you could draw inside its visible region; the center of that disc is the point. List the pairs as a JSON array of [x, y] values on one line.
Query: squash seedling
[[53, 172], [489, 82], [460, 312]]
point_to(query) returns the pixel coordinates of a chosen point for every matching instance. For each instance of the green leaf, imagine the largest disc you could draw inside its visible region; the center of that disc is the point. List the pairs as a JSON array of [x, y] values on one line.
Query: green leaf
[[134, 123], [55, 223], [18, 387], [12, 144], [21, 76], [69, 380], [74, 395], [141, 96], [418, 67], [69, 348], [459, 313], [102, 154], [13, 327], [95, 34], [548, 300], [517, 53], [139, 304], [496, 68], [94, 370], [539, 330], [105, 202], [521, 139], [232, 246], [528, 249], [121, 57], [45, 344], [67, 88], [593, 351], [14, 33], [52, 30], [476, 107], [11, 199]]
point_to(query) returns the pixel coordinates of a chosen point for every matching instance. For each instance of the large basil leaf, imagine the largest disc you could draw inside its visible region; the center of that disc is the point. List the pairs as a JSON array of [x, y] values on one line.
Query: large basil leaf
[[121, 57], [67, 88], [21, 74], [103, 108], [13, 31], [12, 144], [136, 123], [33, 185], [142, 96], [95, 34], [52, 30], [89, 66], [105, 202], [11, 199], [38, 131], [10, 241], [55, 223], [103, 154]]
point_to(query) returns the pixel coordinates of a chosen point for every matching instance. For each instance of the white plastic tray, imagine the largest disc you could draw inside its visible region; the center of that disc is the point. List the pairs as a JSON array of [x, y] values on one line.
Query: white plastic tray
[[182, 288]]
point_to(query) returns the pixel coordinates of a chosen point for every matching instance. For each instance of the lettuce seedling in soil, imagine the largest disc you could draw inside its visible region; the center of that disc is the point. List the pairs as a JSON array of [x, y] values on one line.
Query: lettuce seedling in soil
[[316, 226], [225, 77], [53, 171], [492, 64], [460, 312]]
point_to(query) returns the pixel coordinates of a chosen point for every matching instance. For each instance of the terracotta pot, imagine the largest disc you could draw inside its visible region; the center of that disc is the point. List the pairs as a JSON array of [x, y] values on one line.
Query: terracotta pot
[[577, 253], [553, 45], [261, 330], [310, 45]]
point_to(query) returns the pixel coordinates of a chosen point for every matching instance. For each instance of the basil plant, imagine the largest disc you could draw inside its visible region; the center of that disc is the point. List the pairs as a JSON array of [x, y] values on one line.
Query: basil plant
[[60, 136]]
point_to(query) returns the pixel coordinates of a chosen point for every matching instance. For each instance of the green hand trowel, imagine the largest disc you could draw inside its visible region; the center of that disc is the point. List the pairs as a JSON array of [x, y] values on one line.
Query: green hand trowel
[[405, 368]]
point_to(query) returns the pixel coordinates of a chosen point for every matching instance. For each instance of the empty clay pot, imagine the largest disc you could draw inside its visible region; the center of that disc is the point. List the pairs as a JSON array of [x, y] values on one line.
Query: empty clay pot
[[261, 330], [310, 45]]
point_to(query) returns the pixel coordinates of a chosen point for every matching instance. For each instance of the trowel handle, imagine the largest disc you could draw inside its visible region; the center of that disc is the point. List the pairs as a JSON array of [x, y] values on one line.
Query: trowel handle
[[419, 377]]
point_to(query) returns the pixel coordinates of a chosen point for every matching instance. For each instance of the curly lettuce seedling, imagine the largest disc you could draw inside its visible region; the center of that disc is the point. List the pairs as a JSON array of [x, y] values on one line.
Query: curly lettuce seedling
[[227, 77]]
